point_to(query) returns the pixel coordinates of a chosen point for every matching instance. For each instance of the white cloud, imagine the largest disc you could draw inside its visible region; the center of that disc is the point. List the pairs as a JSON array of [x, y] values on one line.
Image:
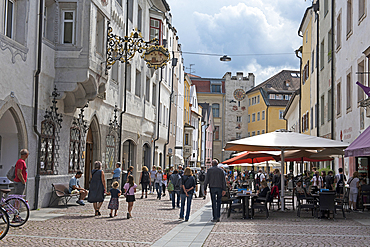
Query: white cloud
[[236, 28]]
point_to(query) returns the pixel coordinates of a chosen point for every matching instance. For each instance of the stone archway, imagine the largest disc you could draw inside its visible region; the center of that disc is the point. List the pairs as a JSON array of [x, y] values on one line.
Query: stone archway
[[92, 150], [146, 156], [13, 135]]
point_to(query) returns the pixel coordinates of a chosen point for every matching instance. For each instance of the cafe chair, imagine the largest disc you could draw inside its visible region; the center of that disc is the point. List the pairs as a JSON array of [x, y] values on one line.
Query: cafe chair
[[289, 198], [327, 202], [261, 204], [365, 196], [306, 203]]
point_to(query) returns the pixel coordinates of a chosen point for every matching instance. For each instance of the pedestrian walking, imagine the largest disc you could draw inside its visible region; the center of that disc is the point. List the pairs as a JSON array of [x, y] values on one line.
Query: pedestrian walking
[[159, 182], [97, 187], [175, 181], [216, 181], [201, 178], [152, 180], [129, 172], [130, 189], [339, 180], [117, 172], [186, 194], [144, 181], [21, 173], [354, 184], [114, 193]]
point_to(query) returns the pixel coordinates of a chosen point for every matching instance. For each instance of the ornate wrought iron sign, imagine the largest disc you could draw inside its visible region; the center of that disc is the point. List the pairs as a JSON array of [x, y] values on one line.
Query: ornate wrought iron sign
[[114, 125], [124, 48]]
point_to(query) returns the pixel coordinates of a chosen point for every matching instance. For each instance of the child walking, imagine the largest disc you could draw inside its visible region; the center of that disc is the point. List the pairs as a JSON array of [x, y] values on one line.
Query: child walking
[[130, 189], [113, 203]]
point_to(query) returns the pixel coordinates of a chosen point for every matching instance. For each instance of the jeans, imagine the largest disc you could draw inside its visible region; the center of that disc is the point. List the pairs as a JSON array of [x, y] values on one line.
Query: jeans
[[151, 186], [201, 189], [216, 194], [188, 205], [158, 188], [177, 193]]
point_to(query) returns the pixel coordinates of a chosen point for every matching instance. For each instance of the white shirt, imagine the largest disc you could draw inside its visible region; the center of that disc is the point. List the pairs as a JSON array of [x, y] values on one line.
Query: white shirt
[[262, 177], [317, 181], [235, 174], [353, 185]]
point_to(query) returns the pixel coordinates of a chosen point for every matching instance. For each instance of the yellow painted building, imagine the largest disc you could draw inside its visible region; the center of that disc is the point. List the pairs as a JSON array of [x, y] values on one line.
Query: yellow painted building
[[305, 30], [267, 102]]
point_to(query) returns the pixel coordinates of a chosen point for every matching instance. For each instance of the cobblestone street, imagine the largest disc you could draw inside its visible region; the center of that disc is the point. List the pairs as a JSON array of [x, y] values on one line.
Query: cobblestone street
[[153, 219]]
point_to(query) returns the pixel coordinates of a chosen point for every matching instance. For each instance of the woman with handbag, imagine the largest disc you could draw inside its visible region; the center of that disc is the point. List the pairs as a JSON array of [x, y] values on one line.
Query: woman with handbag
[[130, 189], [97, 187], [187, 189]]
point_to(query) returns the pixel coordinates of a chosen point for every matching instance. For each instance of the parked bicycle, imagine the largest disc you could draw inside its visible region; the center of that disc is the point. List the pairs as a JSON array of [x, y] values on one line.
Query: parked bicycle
[[4, 222], [16, 207]]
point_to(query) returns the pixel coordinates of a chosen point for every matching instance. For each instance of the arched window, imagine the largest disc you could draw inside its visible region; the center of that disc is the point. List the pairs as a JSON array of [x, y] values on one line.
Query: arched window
[[216, 110], [47, 147], [74, 149], [111, 152]]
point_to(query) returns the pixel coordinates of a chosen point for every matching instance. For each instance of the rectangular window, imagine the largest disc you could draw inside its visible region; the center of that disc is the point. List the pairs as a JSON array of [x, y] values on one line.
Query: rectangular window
[[216, 110], [254, 117], [322, 115], [258, 116], [9, 18], [139, 18], [130, 9], [115, 72], [249, 134], [361, 9], [258, 132], [311, 117], [258, 99], [128, 74], [238, 119], [99, 42], [272, 96], [217, 133], [339, 30], [187, 139], [253, 133], [263, 115], [316, 115], [349, 16], [216, 88], [281, 114], [249, 118], [286, 97], [160, 113], [147, 89], [326, 7], [329, 105], [322, 55], [338, 98], [263, 131], [138, 84], [360, 79], [238, 135], [329, 46], [249, 102], [313, 60], [156, 29], [349, 93], [164, 115], [68, 27]]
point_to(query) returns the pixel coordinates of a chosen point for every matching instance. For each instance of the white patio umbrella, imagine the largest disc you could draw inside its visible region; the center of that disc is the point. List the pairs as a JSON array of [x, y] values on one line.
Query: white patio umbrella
[[282, 140]]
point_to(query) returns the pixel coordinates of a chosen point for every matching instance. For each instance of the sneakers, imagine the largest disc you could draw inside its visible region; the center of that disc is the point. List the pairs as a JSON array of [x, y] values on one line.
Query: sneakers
[[146, 196], [17, 219], [215, 220], [181, 218], [141, 197], [80, 202], [186, 220]]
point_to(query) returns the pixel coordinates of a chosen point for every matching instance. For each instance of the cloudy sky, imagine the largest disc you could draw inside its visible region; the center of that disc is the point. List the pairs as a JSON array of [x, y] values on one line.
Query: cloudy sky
[[259, 35]]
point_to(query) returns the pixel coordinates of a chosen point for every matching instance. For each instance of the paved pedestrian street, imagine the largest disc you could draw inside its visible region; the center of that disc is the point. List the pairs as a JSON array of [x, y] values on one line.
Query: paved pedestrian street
[[155, 223]]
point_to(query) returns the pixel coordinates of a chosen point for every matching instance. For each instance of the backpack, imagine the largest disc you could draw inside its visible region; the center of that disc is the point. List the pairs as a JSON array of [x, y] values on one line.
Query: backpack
[[340, 182], [258, 179], [202, 176], [11, 173], [170, 187], [145, 178]]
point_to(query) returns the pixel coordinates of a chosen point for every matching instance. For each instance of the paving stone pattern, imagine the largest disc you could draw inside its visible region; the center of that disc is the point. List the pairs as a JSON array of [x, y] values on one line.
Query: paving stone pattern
[[151, 220]]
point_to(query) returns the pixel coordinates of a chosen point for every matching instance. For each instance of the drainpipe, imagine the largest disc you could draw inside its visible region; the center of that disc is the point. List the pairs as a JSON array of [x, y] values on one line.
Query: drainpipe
[[316, 9], [158, 110], [223, 127], [36, 104], [174, 62], [125, 91], [332, 71], [301, 84], [267, 119]]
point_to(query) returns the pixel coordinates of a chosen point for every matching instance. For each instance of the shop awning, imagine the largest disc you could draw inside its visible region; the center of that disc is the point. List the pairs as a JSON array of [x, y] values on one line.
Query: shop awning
[[360, 146]]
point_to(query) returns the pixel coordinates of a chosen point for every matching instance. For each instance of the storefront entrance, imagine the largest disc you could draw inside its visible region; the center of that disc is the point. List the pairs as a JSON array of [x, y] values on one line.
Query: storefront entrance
[[88, 158], [362, 166]]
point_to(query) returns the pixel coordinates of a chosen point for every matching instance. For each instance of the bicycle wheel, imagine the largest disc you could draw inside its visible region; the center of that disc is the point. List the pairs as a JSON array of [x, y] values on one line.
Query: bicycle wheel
[[18, 211], [4, 223]]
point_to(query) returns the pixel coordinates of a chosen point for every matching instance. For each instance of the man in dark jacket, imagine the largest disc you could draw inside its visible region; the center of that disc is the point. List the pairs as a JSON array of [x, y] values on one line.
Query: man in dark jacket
[[175, 180], [215, 179]]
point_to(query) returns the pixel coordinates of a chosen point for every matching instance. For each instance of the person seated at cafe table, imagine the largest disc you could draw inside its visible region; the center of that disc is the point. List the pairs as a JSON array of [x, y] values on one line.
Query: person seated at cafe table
[[299, 189], [264, 189]]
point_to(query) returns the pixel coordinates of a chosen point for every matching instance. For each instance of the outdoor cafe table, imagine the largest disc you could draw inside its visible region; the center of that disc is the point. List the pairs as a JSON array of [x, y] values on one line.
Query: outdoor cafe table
[[245, 202]]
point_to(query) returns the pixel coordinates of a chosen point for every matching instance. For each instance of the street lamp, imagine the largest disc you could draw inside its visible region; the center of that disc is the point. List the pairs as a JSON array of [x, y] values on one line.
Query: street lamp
[[225, 58]]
